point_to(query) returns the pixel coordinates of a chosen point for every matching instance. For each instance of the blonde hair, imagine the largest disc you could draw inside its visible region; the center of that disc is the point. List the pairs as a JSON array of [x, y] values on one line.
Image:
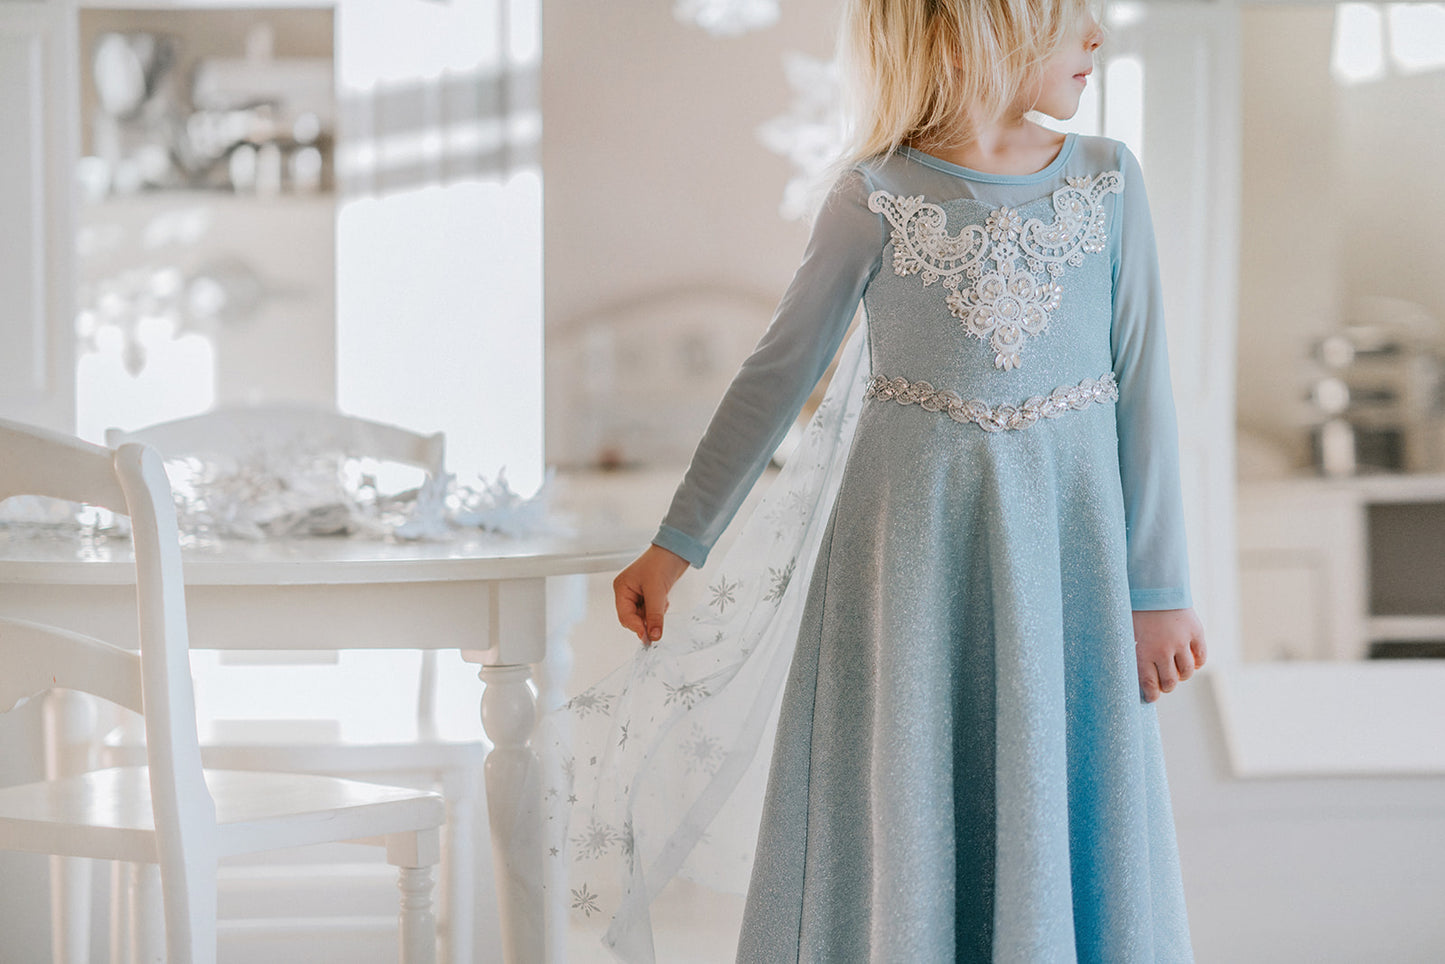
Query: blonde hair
[[920, 69]]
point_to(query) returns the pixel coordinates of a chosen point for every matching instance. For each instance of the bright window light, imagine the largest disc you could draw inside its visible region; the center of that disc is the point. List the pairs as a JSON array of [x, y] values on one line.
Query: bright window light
[[1124, 102], [1123, 14], [1359, 43], [1417, 36], [524, 29], [441, 287], [179, 379]]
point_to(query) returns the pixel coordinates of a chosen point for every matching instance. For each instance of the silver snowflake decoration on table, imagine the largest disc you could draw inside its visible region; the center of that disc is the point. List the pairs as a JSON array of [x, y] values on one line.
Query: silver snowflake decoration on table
[[727, 18], [812, 133]]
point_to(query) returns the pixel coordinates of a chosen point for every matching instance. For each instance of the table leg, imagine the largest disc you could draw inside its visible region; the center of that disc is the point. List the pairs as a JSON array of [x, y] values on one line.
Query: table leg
[[509, 715]]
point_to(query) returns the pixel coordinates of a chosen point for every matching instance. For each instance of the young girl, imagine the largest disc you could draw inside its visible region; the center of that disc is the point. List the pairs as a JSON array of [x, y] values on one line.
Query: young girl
[[964, 767]]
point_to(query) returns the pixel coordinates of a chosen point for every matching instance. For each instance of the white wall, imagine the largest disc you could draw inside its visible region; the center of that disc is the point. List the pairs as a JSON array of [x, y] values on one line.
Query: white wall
[[655, 178], [1340, 200], [1289, 283]]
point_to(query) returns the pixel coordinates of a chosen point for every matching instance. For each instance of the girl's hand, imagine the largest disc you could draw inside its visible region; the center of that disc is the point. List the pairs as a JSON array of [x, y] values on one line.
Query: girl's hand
[[642, 589], [1169, 645]]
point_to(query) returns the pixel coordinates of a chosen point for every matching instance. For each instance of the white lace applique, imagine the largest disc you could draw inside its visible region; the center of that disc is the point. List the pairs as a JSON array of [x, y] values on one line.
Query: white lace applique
[[1013, 300]]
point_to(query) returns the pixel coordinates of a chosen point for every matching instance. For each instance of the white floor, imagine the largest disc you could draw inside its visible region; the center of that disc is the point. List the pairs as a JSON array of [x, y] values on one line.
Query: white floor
[[692, 925]]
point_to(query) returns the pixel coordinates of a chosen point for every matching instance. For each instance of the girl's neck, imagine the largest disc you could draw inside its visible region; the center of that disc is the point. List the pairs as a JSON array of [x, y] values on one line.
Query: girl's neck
[[1002, 147]]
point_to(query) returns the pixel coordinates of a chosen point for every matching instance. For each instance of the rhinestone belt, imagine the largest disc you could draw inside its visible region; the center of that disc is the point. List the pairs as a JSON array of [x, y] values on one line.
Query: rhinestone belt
[[1070, 398]]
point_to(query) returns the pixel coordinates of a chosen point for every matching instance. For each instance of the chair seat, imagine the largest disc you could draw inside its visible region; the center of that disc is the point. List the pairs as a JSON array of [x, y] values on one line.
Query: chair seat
[[106, 814], [262, 745]]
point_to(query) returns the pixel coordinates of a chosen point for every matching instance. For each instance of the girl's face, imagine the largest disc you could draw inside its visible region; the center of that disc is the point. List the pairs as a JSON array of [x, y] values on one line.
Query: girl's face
[[1063, 76]]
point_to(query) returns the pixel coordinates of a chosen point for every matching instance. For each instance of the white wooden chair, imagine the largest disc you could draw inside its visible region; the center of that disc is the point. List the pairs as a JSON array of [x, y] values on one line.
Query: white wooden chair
[[171, 819], [416, 754]]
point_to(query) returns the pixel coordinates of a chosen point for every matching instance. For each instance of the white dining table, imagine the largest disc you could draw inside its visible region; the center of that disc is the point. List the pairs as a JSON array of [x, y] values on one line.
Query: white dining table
[[479, 593]]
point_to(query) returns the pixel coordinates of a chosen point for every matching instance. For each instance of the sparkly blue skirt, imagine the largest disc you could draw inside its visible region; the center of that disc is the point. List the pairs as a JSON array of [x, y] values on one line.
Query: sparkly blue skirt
[[964, 767]]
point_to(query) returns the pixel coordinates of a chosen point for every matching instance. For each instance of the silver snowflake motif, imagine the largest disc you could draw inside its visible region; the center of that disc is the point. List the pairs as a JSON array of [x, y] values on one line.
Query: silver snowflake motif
[[687, 694], [584, 900], [723, 593], [780, 579], [590, 701], [647, 661], [703, 751], [626, 840], [792, 508], [596, 840]]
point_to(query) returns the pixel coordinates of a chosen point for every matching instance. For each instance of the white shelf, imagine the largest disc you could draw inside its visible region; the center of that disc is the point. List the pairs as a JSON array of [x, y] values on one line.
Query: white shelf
[[1405, 628]]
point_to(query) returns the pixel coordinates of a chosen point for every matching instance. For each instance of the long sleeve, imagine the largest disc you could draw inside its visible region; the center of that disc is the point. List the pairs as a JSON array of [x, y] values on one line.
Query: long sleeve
[[1148, 439], [764, 399]]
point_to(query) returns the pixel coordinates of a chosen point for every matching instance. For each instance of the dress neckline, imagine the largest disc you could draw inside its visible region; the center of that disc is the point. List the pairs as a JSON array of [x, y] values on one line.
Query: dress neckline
[[958, 170]]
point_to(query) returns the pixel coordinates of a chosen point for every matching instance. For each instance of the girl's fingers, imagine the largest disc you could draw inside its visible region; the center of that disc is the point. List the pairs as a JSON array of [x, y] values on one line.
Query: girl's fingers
[[654, 605], [1184, 663], [1149, 681], [1196, 646], [1168, 675], [629, 607]]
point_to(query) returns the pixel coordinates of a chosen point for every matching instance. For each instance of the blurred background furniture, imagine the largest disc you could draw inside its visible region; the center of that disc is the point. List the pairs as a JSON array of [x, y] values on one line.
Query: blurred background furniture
[[410, 750], [166, 820]]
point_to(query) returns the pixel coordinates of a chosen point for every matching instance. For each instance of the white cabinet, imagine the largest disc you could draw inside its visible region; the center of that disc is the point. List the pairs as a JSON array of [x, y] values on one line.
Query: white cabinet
[[1341, 569], [37, 118]]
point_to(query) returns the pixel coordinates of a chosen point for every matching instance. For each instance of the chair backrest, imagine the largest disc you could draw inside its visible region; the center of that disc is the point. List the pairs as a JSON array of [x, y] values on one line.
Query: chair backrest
[[230, 431], [33, 659], [238, 431]]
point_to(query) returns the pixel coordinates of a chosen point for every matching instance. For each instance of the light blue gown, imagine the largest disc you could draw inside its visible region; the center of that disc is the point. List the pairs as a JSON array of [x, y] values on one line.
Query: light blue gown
[[964, 768]]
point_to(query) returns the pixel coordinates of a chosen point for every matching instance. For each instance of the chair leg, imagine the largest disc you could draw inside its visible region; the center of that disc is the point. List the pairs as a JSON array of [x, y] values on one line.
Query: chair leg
[[70, 910], [458, 883], [416, 854], [120, 911], [147, 919]]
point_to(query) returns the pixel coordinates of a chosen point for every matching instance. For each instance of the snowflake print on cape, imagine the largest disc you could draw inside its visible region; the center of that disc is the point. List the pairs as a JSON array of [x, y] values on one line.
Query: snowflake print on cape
[[779, 579], [596, 840], [590, 701], [687, 694], [723, 593], [584, 900], [704, 751], [1010, 302]]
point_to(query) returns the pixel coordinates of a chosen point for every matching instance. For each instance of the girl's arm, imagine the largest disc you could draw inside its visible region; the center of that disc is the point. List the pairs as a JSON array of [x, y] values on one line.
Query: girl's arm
[[1169, 638], [763, 400]]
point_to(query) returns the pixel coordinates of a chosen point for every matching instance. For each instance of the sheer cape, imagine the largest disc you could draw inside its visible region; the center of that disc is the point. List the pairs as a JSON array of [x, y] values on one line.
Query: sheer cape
[[659, 769]]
